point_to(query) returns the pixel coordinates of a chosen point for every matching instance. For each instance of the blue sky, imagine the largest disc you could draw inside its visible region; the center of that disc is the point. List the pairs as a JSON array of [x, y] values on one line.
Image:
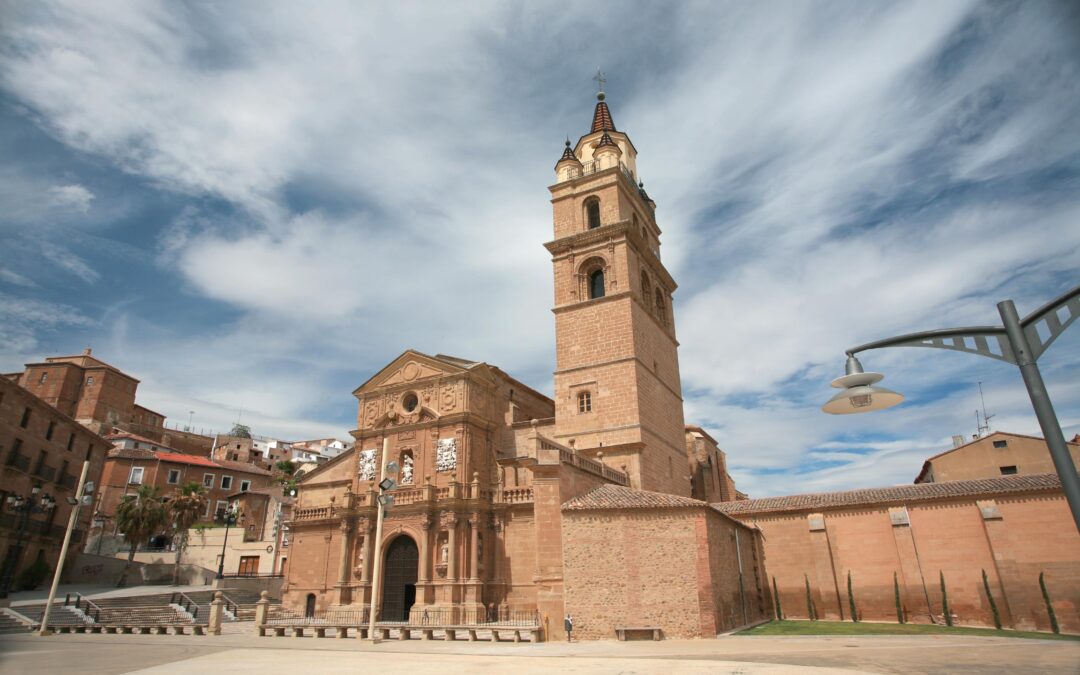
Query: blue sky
[[253, 207]]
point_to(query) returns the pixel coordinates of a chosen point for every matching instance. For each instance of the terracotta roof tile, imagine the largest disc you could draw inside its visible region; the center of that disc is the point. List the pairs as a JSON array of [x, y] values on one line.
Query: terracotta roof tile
[[605, 140], [896, 494], [601, 120], [618, 497]]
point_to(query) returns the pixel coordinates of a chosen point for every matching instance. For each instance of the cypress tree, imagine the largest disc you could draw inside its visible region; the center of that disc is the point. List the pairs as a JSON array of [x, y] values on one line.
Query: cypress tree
[[776, 601], [945, 601], [993, 605], [851, 600], [809, 601], [1049, 607], [896, 592]]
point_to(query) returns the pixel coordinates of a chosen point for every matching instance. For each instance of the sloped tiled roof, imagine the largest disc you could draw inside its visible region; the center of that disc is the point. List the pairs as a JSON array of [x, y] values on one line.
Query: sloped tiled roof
[[618, 497], [605, 140], [181, 458], [896, 494], [568, 153], [601, 120]]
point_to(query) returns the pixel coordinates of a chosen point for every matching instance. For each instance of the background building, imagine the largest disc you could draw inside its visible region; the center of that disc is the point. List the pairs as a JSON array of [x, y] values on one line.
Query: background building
[[991, 456], [42, 448]]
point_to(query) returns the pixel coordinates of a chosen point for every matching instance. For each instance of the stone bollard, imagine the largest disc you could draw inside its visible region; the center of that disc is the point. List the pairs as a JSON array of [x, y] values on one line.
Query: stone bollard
[[217, 608], [262, 608]]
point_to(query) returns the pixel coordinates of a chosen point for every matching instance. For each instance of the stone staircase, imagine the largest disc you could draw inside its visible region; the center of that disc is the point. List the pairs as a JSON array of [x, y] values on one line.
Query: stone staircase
[[59, 616], [9, 625]]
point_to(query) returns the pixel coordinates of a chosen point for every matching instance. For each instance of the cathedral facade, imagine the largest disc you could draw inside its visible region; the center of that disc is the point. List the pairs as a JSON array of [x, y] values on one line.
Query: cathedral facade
[[594, 503]]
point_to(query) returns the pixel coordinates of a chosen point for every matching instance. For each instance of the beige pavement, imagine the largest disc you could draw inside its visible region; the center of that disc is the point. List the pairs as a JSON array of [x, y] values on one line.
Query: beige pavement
[[244, 653]]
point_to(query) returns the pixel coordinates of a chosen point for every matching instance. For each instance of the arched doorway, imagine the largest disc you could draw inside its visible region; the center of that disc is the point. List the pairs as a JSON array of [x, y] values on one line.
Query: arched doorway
[[399, 579]]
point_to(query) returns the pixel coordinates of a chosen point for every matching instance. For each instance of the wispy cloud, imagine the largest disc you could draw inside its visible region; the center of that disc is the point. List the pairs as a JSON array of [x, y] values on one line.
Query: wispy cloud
[[826, 174]]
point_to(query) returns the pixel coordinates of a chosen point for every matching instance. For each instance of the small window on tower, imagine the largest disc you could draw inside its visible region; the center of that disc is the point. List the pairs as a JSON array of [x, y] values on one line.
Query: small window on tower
[[1001, 444], [592, 213], [584, 402], [90, 381], [596, 284], [661, 309], [44, 376], [1008, 470]]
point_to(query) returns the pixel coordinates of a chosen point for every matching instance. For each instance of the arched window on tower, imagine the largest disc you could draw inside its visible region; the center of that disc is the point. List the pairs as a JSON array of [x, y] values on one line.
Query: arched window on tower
[[646, 288], [596, 284], [592, 213], [661, 307]]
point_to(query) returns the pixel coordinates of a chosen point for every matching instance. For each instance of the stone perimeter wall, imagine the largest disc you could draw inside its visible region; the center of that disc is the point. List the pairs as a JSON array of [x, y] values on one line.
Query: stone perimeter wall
[[1013, 537]]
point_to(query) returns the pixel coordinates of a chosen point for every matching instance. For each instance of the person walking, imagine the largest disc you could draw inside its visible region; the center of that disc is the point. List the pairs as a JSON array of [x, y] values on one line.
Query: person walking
[[568, 626]]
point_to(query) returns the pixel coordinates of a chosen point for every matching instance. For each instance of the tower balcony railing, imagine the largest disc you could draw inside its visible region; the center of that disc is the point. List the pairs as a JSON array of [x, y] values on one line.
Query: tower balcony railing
[[590, 168]]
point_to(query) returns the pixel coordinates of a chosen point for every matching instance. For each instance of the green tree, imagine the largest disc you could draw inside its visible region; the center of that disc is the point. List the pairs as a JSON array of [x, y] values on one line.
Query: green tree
[[285, 466], [851, 600], [810, 609], [993, 605], [139, 517], [240, 430], [188, 503], [776, 601], [896, 592], [945, 601], [1049, 606]]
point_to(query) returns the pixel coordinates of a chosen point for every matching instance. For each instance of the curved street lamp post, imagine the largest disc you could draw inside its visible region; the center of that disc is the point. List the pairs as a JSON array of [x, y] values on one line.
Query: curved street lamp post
[[1016, 341]]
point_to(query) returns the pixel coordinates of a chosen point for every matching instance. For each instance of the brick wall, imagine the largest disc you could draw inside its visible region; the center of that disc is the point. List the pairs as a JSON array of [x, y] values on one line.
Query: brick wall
[[1022, 536]]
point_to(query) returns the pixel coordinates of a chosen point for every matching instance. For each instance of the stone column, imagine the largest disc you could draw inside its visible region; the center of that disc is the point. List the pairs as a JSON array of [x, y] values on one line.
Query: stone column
[[343, 556], [344, 594], [474, 551], [365, 570], [424, 573], [216, 608], [495, 573], [451, 521]]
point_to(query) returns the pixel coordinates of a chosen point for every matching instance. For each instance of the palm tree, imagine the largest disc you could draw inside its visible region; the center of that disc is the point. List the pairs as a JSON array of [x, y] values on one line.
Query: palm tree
[[139, 517], [187, 505]]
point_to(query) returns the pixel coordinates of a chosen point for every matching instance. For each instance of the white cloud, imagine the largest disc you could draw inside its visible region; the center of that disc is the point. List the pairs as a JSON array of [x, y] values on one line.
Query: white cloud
[[826, 174], [74, 197]]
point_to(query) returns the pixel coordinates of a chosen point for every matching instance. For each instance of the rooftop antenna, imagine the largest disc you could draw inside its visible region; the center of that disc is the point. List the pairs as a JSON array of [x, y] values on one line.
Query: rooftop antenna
[[984, 427]]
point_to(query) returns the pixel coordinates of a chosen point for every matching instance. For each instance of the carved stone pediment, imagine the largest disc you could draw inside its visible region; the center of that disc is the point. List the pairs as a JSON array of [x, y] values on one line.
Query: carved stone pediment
[[410, 372], [398, 418]]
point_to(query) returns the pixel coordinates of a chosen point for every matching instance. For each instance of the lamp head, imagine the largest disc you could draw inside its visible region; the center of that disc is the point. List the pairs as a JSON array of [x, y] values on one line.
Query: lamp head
[[859, 393]]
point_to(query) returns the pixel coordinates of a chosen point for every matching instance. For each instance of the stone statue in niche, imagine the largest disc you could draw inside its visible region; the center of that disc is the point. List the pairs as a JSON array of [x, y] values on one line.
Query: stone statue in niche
[[407, 470], [367, 464], [446, 456], [444, 552]]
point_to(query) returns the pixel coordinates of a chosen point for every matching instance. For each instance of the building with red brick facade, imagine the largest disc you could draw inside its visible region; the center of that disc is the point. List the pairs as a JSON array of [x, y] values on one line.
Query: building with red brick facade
[[900, 541], [126, 469], [42, 448], [601, 503], [507, 497]]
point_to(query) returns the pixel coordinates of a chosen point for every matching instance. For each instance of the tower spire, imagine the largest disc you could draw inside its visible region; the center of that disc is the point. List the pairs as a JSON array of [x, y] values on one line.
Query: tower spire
[[602, 116]]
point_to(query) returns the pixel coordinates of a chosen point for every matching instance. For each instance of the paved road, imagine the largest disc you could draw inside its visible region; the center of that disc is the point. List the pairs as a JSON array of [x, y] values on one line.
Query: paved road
[[241, 653]]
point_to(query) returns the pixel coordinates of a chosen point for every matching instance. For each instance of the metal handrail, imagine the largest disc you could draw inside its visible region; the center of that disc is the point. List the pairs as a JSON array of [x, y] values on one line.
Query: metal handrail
[[230, 604], [90, 605], [189, 605]]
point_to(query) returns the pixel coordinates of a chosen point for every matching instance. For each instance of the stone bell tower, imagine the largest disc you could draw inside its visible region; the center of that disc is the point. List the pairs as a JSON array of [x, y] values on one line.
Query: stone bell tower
[[617, 390]]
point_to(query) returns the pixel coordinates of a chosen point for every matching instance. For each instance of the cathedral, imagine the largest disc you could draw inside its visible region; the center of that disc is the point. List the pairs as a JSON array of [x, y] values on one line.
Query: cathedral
[[595, 503]]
